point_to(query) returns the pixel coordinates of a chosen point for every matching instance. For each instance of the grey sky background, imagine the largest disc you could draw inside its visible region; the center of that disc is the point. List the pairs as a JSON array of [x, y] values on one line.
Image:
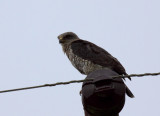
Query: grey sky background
[[31, 55]]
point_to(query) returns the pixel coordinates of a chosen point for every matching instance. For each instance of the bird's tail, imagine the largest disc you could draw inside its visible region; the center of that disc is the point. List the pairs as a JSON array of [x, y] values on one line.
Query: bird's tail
[[129, 93]]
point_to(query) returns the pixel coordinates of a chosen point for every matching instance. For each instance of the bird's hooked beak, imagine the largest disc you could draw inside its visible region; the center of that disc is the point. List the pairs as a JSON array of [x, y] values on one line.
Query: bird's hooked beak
[[60, 38]]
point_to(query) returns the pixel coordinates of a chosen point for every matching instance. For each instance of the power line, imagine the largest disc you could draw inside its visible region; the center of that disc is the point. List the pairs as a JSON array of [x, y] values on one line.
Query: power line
[[78, 81], [46, 85], [137, 75]]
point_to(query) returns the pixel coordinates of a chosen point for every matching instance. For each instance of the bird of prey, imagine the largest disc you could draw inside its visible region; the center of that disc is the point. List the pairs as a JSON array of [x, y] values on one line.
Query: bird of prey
[[87, 57]]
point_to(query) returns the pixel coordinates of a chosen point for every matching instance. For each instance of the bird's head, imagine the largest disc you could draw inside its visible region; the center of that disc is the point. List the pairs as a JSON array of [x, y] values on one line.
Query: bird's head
[[67, 37]]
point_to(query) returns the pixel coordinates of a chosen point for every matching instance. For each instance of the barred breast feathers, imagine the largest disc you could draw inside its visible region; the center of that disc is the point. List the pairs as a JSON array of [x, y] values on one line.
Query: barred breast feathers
[[84, 66]]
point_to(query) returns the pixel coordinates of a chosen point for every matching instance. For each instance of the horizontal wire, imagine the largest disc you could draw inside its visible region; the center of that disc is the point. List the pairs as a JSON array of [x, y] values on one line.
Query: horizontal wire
[[46, 85], [78, 81], [137, 75]]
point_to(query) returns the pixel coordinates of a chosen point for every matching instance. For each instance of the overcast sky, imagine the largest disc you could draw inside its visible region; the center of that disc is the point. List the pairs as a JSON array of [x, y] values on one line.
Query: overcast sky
[[31, 55]]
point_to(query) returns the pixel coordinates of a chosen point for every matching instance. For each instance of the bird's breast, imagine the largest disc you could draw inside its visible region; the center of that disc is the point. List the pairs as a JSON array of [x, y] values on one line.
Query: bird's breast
[[82, 65]]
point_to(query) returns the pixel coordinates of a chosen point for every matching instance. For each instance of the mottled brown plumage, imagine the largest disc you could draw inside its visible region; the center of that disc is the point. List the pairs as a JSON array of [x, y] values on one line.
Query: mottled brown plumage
[[86, 56]]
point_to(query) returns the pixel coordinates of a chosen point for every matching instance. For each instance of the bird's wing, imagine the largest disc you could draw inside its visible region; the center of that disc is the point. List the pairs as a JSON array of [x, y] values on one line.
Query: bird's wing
[[91, 52]]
